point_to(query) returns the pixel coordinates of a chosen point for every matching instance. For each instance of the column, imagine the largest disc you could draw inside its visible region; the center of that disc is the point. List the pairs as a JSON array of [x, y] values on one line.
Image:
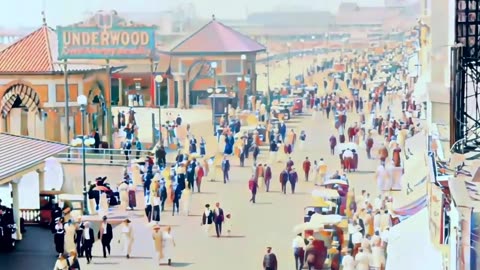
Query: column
[[120, 92], [16, 207], [15, 115], [187, 92], [40, 126], [3, 122], [31, 123], [181, 103], [41, 180], [440, 41]]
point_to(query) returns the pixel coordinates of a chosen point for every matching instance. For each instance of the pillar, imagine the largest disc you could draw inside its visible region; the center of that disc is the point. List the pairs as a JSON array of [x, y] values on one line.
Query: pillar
[[187, 92], [180, 94], [40, 127], [440, 40], [32, 124], [16, 207], [3, 123], [41, 180], [15, 115], [120, 92]]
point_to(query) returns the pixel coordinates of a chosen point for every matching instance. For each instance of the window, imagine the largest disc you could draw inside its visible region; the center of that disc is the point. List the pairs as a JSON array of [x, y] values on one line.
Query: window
[[233, 66]]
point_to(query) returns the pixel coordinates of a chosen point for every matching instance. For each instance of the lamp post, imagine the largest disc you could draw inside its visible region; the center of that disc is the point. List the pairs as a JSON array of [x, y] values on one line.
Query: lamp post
[[82, 101], [158, 81], [213, 93], [268, 83], [213, 65], [289, 65], [303, 60]]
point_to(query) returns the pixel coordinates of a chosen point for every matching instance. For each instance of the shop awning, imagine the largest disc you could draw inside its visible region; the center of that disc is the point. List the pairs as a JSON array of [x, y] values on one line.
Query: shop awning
[[20, 155], [402, 255]]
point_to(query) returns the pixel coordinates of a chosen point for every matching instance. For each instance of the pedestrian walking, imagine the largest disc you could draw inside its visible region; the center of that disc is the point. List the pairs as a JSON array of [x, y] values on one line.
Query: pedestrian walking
[[306, 168], [225, 169], [293, 178], [207, 219], [199, 176], [267, 176], [72, 261], [105, 234], [127, 237], [88, 238], [59, 236], [298, 245], [157, 236], [218, 219], [270, 260], [253, 186], [283, 180], [168, 244], [61, 263]]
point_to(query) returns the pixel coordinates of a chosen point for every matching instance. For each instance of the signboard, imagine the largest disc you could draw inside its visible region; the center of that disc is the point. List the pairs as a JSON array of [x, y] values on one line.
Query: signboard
[[106, 36]]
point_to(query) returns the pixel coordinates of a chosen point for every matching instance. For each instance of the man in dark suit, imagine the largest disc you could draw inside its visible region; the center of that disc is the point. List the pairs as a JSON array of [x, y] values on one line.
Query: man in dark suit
[[218, 219], [78, 239], [105, 234], [270, 260], [88, 239], [225, 169]]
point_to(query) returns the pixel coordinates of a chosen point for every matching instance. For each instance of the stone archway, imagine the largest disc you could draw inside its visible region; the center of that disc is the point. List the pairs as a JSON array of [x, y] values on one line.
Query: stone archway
[[20, 95], [198, 70]]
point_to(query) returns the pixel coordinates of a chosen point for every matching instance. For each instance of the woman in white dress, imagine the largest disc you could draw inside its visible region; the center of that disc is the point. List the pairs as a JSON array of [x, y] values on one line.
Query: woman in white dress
[[157, 236], [69, 243], [103, 204], [281, 155], [186, 201], [381, 176], [168, 245], [61, 263], [123, 192], [127, 237]]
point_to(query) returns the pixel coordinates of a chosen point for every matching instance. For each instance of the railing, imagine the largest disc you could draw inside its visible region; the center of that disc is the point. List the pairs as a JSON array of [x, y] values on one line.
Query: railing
[[102, 155], [31, 216]]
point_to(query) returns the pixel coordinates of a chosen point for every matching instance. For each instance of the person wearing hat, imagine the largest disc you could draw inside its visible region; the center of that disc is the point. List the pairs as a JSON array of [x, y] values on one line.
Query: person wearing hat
[[59, 235], [157, 236], [267, 176], [88, 239], [298, 245], [127, 237], [61, 263], [105, 234], [207, 218], [348, 262], [270, 260]]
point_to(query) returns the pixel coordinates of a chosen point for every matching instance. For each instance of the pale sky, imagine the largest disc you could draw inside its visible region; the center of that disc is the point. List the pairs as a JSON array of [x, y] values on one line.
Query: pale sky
[[27, 13]]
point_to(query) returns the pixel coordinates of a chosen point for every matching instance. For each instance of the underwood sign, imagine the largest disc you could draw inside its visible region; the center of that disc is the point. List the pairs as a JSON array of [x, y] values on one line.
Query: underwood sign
[[106, 36]]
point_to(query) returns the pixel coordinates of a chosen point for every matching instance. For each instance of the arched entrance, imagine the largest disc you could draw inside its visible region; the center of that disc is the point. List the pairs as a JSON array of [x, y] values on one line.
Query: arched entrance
[[25, 102], [96, 98]]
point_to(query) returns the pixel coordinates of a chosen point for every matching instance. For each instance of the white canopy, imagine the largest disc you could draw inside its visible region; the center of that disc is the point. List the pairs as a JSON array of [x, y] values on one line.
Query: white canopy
[[410, 247], [325, 193], [317, 222]]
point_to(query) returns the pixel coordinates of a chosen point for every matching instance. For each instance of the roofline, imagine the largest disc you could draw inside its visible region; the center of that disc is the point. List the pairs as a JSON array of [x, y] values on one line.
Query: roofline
[[34, 139], [214, 53], [190, 36], [113, 69], [172, 51]]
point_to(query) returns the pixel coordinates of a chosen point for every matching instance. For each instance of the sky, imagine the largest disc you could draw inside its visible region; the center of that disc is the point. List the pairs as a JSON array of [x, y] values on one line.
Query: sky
[[27, 13]]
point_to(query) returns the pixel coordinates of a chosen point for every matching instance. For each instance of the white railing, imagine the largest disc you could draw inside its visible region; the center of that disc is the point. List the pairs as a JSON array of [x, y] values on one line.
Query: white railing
[[103, 156]]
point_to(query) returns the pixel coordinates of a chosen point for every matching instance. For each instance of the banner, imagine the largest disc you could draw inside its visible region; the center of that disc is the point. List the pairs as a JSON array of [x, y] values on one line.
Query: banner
[[106, 36]]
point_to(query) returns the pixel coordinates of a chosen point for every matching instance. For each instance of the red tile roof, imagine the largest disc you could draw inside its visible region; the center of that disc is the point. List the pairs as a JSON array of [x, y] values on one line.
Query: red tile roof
[[11, 146], [216, 37], [36, 53]]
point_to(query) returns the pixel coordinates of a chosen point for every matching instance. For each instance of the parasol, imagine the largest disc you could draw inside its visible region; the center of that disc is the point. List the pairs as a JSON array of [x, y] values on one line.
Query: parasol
[[335, 181], [317, 222], [325, 193], [101, 188]]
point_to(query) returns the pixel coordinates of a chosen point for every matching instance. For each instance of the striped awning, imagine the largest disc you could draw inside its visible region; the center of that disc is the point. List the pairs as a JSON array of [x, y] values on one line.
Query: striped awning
[[27, 95], [20, 154]]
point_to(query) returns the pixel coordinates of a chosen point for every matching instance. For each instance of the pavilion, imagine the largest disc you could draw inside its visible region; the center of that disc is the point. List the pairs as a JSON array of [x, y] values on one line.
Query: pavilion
[[234, 55]]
